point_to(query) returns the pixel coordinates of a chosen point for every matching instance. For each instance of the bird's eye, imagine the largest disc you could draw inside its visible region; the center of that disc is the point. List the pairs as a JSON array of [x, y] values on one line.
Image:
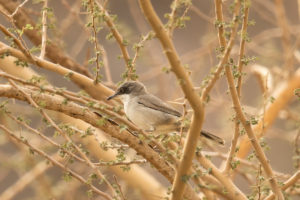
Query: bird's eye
[[122, 90]]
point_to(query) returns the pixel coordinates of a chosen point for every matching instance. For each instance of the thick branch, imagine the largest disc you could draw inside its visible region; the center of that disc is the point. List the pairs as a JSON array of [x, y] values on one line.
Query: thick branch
[[190, 94], [44, 30], [97, 91]]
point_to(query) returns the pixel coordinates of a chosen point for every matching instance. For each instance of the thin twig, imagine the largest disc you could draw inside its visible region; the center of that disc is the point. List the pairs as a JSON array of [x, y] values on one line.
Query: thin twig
[[113, 163], [139, 46], [202, 15], [243, 162], [17, 9], [233, 190], [95, 40], [18, 42], [222, 41], [106, 65], [234, 141], [119, 188], [172, 18], [118, 37], [44, 137], [258, 182], [286, 35], [77, 50], [282, 96], [44, 29]]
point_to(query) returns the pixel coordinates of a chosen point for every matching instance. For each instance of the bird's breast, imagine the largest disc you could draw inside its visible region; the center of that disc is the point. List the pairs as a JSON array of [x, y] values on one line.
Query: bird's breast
[[138, 114], [146, 118]]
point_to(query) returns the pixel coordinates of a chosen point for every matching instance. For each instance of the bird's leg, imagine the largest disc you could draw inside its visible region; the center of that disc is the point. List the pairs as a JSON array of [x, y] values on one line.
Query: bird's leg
[[152, 129], [134, 133], [154, 147]]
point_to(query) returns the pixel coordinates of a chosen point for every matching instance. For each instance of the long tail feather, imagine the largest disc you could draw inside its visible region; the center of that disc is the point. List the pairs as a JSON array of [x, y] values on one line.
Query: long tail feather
[[213, 137]]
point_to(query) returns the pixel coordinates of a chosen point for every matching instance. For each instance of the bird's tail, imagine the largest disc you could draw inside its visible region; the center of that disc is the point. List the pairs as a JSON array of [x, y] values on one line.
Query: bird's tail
[[213, 137], [205, 134]]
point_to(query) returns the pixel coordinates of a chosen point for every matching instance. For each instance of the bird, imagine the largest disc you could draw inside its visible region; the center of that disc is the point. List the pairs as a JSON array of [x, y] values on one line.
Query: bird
[[150, 113]]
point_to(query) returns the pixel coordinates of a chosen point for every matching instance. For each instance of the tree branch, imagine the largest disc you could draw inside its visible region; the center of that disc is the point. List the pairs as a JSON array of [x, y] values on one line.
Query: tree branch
[[287, 184], [44, 29], [97, 91]]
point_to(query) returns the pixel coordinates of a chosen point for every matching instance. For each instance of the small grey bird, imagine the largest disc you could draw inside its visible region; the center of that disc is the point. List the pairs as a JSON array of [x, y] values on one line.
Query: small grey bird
[[149, 112]]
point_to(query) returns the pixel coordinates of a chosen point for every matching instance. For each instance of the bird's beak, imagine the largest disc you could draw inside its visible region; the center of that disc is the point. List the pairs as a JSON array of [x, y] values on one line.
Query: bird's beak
[[112, 96]]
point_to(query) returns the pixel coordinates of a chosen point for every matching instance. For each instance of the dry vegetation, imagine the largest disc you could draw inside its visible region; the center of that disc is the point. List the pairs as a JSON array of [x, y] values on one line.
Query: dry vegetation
[[230, 66]]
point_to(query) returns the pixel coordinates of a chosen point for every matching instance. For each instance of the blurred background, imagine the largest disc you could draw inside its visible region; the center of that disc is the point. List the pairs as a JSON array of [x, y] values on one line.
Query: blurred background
[[196, 44]]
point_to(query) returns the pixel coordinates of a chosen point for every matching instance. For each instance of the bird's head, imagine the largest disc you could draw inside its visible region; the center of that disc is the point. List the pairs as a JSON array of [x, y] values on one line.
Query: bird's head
[[130, 88]]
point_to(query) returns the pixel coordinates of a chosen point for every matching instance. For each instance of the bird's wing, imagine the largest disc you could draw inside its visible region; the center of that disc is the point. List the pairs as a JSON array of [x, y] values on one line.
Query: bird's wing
[[155, 103]]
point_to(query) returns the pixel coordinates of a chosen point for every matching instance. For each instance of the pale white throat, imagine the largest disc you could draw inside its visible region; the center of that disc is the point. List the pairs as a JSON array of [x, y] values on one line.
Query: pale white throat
[[125, 99]]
